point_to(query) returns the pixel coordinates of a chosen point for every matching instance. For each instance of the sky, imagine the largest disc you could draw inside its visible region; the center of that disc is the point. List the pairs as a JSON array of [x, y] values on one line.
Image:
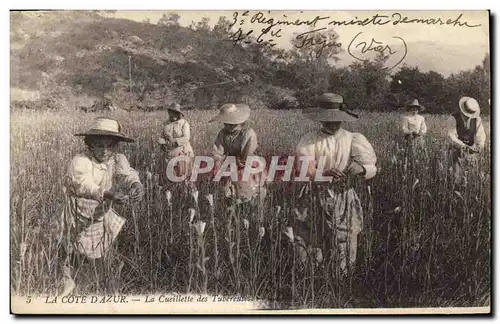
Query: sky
[[448, 35], [443, 48]]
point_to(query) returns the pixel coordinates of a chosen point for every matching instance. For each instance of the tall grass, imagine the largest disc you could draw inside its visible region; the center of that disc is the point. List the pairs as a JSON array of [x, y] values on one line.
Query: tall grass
[[423, 242]]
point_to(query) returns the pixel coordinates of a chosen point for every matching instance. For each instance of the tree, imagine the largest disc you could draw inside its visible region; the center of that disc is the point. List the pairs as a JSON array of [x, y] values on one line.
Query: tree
[[310, 60], [408, 83], [222, 28], [316, 47], [363, 84], [171, 19], [203, 24], [486, 64]]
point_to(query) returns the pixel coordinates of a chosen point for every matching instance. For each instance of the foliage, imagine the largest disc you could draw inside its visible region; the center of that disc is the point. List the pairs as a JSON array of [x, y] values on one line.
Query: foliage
[[91, 54]]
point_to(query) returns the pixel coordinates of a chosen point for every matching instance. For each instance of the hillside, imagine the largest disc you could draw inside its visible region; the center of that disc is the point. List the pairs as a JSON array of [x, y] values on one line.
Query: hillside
[[72, 58], [86, 60]]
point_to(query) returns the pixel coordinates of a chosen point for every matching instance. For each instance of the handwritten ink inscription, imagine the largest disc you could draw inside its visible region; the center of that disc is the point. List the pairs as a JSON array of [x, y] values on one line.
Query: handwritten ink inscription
[[373, 45], [398, 19], [262, 27], [316, 40], [271, 28]]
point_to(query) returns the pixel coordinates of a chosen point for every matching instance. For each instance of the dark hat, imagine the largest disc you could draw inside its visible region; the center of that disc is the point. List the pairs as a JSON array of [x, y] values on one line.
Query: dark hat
[[330, 107]]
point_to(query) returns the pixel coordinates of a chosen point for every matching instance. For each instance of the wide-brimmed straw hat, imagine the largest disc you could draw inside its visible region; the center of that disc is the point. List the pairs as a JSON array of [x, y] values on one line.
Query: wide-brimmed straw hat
[[232, 114], [469, 107], [105, 126], [415, 104], [330, 107], [175, 107]]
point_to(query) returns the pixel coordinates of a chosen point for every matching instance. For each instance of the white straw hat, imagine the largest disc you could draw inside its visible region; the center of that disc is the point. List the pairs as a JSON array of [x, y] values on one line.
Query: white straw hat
[[415, 104], [232, 114], [105, 126], [469, 107], [175, 107]]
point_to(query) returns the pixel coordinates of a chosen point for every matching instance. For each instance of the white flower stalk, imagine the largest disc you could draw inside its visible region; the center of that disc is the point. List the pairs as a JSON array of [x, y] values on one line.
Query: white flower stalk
[[210, 199], [149, 175], [397, 209], [262, 232], [195, 195], [319, 255], [415, 184], [200, 227], [168, 194], [278, 209], [192, 212], [246, 223], [289, 233]]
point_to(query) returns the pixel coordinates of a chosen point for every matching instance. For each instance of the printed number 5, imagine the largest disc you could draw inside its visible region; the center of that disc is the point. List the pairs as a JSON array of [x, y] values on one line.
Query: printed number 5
[[28, 301]]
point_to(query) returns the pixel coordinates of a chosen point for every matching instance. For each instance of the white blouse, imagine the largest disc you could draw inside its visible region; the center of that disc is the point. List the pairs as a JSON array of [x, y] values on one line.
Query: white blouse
[[178, 131], [88, 178], [340, 150], [414, 124]]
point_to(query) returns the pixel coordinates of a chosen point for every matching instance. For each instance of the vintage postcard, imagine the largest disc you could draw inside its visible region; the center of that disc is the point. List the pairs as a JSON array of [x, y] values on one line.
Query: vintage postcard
[[250, 162]]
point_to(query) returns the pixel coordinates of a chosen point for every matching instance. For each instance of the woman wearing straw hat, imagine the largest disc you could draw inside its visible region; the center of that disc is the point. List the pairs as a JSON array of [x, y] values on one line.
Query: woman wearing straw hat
[[345, 156], [240, 141], [175, 141], [414, 127], [467, 137], [92, 186]]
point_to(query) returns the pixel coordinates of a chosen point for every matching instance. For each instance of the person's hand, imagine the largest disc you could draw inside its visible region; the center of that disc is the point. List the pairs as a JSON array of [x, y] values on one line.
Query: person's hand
[[136, 192], [115, 197], [472, 149], [335, 173], [356, 169], [240, 163]]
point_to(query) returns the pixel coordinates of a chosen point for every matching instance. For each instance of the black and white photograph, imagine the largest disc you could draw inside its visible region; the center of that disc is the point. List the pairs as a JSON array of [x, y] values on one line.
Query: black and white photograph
[[250, 162]]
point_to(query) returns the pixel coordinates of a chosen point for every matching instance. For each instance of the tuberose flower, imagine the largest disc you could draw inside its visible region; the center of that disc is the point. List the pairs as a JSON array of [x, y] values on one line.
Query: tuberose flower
[[192, 212], [289, 233], [195, 195], [262, 232], [210, 199], [168, 194], [200, 227], [246, 224]]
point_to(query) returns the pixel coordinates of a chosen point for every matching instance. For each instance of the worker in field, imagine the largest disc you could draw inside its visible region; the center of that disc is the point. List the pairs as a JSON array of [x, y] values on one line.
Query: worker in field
[[467, 138], [236, 139], [175, 141], [414, 127], [342, 156], [96, 179]]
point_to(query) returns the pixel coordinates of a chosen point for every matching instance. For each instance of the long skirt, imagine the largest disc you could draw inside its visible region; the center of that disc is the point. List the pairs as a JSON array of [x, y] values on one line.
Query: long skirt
[[180, 169], [336, 226], [85, 239]]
